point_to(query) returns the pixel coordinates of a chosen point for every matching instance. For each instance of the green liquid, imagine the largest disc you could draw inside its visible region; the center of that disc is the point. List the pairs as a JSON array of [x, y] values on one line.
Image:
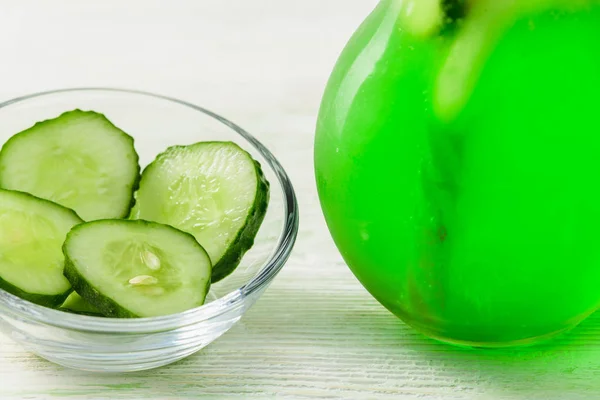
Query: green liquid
[[478, 221]]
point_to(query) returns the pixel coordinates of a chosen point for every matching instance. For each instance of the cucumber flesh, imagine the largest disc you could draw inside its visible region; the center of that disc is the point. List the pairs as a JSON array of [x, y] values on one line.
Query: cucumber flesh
[[79, 160], [32, 231], [213, 190], [134, 269], [77, 305]]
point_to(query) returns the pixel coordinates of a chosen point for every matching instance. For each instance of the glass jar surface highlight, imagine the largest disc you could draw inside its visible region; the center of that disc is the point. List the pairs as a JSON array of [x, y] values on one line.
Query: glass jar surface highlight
[[457, 158]]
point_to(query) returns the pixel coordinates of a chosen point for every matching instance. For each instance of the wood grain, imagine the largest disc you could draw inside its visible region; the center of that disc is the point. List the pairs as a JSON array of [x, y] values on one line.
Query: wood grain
[[316, 333]]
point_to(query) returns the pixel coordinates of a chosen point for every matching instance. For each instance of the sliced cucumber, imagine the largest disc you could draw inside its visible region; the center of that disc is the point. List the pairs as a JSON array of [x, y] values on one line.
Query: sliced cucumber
[[32, 231], [213, 190], [79, 160], [77, 305], [134, 269]]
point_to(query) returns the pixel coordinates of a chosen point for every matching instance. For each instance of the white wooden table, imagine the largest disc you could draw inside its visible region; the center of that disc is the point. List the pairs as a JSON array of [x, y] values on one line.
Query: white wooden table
[[316, 333]]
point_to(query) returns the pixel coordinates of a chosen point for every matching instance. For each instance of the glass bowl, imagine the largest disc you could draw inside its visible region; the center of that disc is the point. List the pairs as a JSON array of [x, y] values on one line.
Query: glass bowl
[[121, 345]]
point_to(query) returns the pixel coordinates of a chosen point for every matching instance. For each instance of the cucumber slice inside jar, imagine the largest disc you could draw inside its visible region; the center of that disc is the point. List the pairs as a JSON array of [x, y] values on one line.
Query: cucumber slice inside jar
[[214, 190], [132, 269], [32, 231], [79, 160]]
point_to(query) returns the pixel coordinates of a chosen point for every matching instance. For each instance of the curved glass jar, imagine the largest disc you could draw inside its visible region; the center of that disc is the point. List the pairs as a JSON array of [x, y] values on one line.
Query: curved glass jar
[[457, 159]]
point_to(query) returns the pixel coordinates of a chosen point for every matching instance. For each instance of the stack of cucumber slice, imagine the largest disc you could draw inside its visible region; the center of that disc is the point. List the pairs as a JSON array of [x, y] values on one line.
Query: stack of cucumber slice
[[82, 231]]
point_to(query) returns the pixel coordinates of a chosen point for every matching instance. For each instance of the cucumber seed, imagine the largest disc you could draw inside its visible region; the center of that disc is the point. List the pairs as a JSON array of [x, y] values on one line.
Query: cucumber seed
[[151, 260], [143, 280]]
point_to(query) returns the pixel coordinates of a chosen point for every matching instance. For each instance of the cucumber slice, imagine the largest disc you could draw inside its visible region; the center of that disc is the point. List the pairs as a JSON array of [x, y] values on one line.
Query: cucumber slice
[[77, 305], [132, 269], [79, 160], [32, 231], [213, 190]]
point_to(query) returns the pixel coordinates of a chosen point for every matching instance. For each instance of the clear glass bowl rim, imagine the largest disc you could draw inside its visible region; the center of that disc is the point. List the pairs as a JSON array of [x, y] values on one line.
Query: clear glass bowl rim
[[212, 310]]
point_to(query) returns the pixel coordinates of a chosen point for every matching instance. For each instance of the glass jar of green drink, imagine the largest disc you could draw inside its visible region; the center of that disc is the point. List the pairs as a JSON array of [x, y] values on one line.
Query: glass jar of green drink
[[457, 159]]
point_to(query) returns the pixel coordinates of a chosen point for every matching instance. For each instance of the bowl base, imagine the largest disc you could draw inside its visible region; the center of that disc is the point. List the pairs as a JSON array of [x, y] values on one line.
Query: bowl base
[[108, 367]]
